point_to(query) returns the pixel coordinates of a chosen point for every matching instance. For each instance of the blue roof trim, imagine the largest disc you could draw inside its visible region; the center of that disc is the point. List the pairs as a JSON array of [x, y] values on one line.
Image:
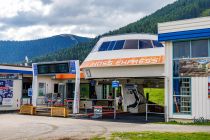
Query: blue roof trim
[[15, 71], [183, 35]]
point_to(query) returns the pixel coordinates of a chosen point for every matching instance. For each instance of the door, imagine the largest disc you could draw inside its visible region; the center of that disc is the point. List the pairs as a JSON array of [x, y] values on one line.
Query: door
[[62, 91], [70, 90]]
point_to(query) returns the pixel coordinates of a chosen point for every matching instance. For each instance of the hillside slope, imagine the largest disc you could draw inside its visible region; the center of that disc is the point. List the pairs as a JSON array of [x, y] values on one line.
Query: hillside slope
[[15, 51], [181, 9]]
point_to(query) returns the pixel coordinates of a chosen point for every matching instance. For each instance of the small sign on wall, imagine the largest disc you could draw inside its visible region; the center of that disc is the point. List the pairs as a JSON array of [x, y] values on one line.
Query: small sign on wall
[[30, 92], [115, 84], [7, 102]]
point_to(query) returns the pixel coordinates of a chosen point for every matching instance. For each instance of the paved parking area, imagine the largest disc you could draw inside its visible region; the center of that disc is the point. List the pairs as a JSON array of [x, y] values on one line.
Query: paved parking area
[[18, 127]]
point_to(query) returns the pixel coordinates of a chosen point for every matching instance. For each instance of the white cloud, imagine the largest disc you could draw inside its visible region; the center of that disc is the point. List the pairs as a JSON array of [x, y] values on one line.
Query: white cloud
[[30, 19]]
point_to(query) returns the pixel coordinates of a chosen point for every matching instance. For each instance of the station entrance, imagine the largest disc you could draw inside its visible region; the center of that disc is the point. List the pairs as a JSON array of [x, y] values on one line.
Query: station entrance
[[134, 100]]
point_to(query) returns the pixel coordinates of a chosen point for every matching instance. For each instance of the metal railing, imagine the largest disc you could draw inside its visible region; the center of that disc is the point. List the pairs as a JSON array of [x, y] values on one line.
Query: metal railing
[[153, 112]]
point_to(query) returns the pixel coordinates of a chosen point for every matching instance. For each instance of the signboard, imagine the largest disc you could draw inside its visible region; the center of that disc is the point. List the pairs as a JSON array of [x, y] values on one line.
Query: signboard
[[8, 76], [146, 60], [53, 68], [35, 70], [98, 112], [30, 92], [199, 67], [115, 84], [6, 92], [72, 68]]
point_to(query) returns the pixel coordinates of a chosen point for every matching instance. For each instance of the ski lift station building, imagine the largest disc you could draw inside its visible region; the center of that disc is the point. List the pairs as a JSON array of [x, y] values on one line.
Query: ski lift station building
[[182, 66], [132, 59]]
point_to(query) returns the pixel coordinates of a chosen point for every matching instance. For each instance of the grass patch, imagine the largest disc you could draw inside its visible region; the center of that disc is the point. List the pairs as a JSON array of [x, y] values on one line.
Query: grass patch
[[156, 95], [98, 138], [159, 136], [186, 123]]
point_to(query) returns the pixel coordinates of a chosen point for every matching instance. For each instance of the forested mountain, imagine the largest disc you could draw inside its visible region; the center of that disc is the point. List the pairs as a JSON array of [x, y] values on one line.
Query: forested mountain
[[181, 9], [15, 51], [79, 51]]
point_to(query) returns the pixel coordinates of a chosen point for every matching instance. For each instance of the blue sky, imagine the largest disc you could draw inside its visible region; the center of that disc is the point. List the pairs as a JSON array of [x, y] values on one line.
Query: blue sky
[[32, 19]]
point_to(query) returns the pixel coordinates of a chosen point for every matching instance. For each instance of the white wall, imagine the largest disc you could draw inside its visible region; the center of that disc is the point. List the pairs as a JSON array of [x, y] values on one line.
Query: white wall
[[49, 83], [127, 71], [49, 86]]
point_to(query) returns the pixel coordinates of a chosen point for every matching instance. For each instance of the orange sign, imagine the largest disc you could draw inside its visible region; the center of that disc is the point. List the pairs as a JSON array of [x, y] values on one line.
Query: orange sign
[[68, 76], [147, 60]]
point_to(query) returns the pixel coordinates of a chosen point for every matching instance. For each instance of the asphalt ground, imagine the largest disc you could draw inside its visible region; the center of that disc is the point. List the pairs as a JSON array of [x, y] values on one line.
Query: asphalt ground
[[26, 127]]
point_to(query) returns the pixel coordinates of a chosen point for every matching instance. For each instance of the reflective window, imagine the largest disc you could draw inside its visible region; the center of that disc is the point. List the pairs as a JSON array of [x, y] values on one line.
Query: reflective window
[[131, 44], [111, 45], [181, 49], [157, 44], [119, 45], [199, 48], [176, 68], [104, 46], [143, 44]]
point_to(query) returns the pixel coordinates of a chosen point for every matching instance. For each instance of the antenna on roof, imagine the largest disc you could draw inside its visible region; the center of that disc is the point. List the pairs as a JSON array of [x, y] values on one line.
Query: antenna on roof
[[26, 61]]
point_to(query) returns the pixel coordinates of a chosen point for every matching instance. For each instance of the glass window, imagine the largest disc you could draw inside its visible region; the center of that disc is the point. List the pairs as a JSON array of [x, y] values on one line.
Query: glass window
[[182, 95], [157, 44], [119, 45], [143, 44], [111, 45], [104, 46], [42, 89], [131, 44], [181, 49], [199, 48], [84, 91]]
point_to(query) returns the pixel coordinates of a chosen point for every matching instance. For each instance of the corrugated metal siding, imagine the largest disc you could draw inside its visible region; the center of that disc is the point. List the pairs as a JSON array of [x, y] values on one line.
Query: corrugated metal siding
[[200, 100], [184, 25]]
